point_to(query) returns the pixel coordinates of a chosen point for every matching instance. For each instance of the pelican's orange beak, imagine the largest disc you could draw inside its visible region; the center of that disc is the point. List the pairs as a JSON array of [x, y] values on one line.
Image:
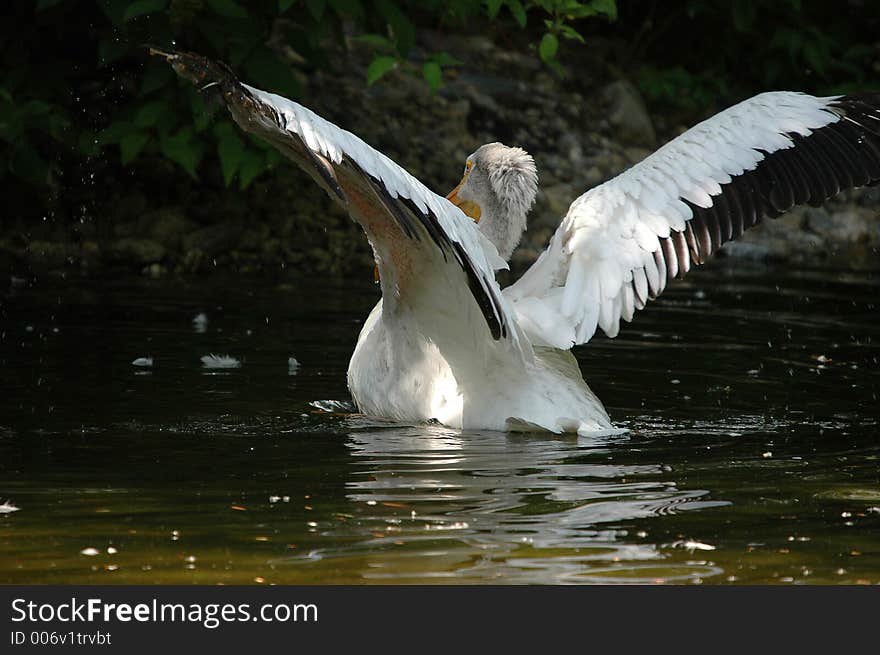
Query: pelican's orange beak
[[469, 208]]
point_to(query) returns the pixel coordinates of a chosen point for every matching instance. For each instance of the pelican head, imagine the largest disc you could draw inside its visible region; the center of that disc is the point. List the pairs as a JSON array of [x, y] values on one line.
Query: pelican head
[[497, 191]]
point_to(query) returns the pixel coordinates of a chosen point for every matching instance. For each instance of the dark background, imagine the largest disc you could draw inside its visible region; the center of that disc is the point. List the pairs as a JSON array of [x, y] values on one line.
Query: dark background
[[108, 160]]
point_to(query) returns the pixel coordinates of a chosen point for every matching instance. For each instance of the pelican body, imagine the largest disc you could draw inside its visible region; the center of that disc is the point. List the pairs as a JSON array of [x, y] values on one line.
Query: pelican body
[[418, 359], [404, 374], [447, 344]]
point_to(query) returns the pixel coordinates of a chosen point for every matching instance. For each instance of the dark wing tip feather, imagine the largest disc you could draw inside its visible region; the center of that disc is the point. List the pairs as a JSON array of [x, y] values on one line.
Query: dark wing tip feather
[[485, 297], [410, 218], [841, 155]]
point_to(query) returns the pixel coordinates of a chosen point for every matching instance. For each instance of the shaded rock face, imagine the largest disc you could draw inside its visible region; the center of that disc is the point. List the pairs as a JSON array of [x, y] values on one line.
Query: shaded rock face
[[844, 231], [581, 132], [137, 251], [628, 115]]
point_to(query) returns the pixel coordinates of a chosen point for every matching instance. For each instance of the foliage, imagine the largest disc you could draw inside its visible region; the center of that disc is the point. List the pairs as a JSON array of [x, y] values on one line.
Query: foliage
[[91, 91], [695, 54], [159, 115]]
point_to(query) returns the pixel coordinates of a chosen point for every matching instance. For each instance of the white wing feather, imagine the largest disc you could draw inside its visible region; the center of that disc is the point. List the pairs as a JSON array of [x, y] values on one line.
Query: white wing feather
[[600, 263], [334, 143]]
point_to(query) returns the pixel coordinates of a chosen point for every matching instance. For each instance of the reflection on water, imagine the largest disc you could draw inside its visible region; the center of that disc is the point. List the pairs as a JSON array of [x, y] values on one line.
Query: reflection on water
[[509, 499], [752, 456]]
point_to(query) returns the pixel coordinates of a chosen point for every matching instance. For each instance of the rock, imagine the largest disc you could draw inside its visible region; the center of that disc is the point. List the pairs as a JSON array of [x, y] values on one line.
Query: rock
[[10, 257], [591, 177], [870, 197], [49, 254], [139, 252], [155, 270], [537, 239], [214, 239], [252, 238], [579, 139], [635, 155], [628, 115], [90, 254], [129, 207], [799, 246], [193, 261], [168, 227], [781, 239], [559, 197], [853, 225], [818, 220], [570, 147]]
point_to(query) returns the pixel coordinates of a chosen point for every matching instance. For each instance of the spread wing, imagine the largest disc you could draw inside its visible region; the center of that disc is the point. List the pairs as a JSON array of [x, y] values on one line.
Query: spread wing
[[429, 254], [621, 242]]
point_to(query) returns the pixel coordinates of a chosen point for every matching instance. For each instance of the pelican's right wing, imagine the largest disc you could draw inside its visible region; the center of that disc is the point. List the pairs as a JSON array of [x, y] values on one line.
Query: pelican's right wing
[[621, 242], [421, 241]]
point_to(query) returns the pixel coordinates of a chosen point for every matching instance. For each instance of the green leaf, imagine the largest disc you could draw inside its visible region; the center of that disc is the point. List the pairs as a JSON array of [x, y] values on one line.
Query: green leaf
[[114, 10], [403, 30], [231, 150], [267, 71], [142, 8], [493, 7], [606, 7], [284, 5], [817, 57], [548, 47], [557, 68], [87, 144], [158, 75], [251, 166], [27, 164], [433, 75], [182, 150], [131, 145], [115, 132], [109, 50], [200, 113], [375, 41], [570, 33], [445, 59], [519, 14], [46, 4], [316, 8], [352, 9], [744, 15], [272, 157], [36, 108], [379, 67], [152, 113], [227, 8]]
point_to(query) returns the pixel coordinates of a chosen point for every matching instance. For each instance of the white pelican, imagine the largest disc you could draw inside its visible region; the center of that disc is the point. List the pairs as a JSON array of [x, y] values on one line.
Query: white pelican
[[446, 343]]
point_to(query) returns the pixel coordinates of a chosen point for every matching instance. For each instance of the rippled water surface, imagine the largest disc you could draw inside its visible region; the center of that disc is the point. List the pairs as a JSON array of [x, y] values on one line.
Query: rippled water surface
[[753, 454]]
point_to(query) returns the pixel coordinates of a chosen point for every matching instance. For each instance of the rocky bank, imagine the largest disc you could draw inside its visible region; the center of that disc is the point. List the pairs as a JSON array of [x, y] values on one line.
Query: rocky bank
[[581, 131]]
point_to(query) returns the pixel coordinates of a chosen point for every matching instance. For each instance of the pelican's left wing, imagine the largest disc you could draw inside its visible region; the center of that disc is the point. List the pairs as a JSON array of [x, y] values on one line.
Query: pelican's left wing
[[406, 222], [621, 242]]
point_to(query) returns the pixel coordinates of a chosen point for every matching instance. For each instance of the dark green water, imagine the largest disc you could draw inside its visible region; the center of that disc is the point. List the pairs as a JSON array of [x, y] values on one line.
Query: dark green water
[[753, 457]]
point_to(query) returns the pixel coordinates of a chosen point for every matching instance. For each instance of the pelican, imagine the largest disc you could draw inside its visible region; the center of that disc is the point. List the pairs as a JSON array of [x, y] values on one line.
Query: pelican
[[446, 344]]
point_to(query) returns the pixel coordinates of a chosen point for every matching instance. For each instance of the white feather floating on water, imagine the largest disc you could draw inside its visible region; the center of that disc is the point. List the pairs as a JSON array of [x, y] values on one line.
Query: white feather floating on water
[[292, 365], [143, 361], [200, 323], [7, 508], [691, 545], [220, 361]]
